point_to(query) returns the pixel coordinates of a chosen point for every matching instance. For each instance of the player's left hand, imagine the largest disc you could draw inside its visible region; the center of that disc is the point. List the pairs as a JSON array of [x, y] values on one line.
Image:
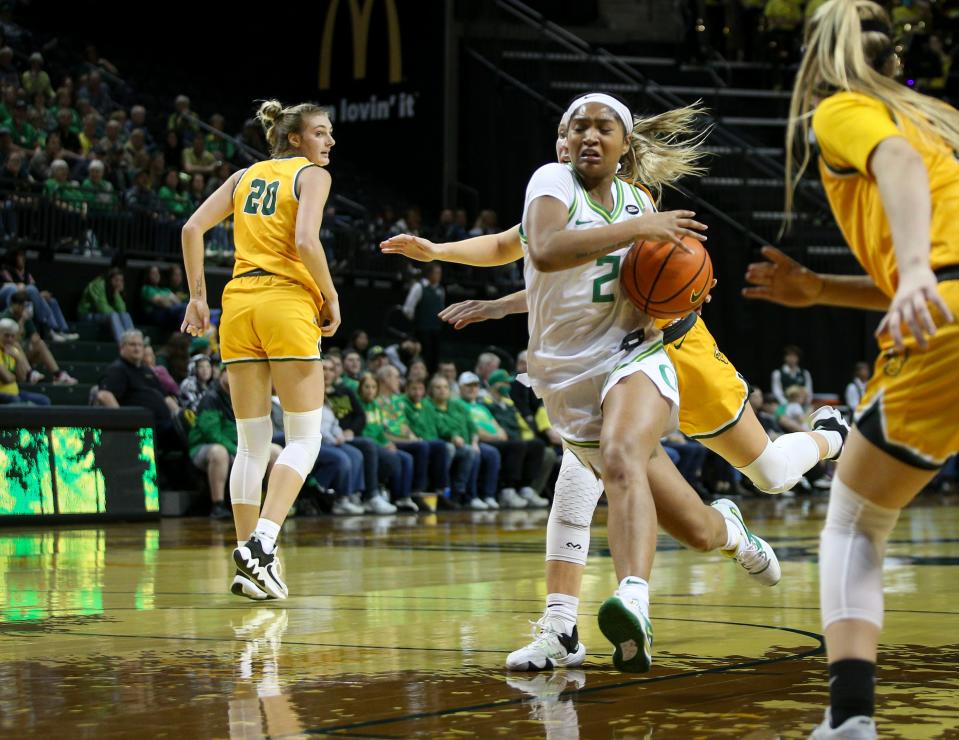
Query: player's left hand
[[415, 247], [471, 312], [196, 320], [330, 317], [910, 306]]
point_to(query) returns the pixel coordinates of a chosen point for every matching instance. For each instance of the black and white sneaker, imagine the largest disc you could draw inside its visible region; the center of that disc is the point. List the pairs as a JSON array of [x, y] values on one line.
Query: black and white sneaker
[[261, 568], [243, 586], [828, 419], [550, 649]]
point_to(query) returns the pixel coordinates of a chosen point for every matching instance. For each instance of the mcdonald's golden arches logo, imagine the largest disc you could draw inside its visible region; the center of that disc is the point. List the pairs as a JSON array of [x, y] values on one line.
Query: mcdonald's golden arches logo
[[360, 14]]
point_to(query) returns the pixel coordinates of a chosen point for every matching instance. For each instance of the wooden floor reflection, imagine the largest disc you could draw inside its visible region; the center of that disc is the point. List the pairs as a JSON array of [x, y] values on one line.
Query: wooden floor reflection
[[398, 626]]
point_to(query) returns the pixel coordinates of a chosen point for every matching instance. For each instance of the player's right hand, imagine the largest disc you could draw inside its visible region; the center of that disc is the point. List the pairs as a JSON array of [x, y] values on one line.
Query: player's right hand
[[669, 226], [330, 317], [415, 247], [196, 319], [471, 312], [780, 279]]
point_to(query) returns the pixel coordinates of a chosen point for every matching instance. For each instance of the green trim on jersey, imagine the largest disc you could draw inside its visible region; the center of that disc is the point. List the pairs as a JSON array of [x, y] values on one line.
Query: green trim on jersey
[[638, 195], [572, 207], [619, 202], [576, 443], [652, 350]]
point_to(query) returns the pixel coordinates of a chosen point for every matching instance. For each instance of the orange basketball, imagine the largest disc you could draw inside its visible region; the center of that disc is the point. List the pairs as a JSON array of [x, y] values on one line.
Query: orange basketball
[[663, 280]]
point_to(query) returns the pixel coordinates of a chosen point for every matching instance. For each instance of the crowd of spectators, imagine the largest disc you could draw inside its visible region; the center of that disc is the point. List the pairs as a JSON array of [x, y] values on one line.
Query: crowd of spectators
[[770, 31]]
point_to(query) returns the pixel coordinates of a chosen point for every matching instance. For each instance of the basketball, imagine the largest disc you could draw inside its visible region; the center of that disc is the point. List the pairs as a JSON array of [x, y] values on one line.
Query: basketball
[[665, 281]]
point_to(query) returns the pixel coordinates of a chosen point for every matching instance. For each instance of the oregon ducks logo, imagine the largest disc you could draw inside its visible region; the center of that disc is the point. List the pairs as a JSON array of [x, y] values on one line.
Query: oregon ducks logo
[[669, 375], [893, 362], [360, 13]]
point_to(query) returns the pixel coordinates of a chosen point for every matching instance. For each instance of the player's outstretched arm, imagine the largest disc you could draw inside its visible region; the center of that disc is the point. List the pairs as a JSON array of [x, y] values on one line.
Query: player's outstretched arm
[[472, 312], [780, 279], [491, 250]]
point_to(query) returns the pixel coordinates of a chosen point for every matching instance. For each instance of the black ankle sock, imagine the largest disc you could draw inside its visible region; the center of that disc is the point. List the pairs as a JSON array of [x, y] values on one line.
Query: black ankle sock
[[852, 690]]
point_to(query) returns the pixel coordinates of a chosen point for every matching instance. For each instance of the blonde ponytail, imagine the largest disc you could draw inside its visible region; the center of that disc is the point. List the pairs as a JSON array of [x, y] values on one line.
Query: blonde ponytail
[[839, 57], [267, 114], [665, 148], [279, 122]]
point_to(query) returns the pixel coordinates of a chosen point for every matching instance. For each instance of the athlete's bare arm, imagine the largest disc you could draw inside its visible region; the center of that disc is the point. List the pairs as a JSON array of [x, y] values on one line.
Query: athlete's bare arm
[[904, 189], [196, 320], [491, 250], [781, 279], [472, 312], [553, 247], [314, 190]]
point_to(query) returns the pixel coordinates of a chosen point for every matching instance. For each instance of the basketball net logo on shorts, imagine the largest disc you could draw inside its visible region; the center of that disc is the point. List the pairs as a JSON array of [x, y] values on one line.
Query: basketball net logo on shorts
[[893, 362], [719, 355]]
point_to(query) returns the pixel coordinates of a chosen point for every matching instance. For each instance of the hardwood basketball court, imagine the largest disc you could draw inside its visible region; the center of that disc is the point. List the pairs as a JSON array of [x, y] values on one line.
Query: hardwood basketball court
[[399, 626]]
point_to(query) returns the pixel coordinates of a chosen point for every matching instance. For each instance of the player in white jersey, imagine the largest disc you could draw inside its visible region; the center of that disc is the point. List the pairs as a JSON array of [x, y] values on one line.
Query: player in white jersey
[[667, 150], [611, 406]]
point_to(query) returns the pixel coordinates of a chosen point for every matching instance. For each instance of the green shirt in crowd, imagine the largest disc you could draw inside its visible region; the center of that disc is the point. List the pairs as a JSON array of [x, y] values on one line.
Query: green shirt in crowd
[[506, 415], [215, 421], [374, 422], [423, 418], [173, 202], [24, 136], [99, 195], [67, 192], [455, 421], [353, 385], [149, 292], [95, 300], [395, 421], [482, 417]]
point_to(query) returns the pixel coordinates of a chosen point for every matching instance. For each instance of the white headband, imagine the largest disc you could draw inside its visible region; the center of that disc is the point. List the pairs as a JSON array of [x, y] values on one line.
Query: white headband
[[617, 107]]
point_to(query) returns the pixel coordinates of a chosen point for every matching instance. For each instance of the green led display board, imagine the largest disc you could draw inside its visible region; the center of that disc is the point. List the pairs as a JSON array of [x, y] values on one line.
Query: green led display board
[[73, 471]]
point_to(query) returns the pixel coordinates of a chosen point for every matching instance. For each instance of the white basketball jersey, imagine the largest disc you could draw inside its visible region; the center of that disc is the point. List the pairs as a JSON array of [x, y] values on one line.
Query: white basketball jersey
[[577, 319]]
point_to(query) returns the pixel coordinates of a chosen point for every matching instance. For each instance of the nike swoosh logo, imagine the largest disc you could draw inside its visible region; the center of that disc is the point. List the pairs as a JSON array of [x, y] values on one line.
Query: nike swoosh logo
[[694, 296], [679, 344], [587, 221]]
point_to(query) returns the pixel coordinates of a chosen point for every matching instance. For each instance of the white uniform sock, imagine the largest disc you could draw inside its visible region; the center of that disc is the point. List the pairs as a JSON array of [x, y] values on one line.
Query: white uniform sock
[[833, 440], [636, 589], [266, 532], [562, 608], [734, 537]]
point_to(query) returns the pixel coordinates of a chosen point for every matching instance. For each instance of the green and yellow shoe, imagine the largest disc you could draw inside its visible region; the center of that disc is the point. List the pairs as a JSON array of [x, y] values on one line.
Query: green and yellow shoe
[[630, 631], [753, 553]]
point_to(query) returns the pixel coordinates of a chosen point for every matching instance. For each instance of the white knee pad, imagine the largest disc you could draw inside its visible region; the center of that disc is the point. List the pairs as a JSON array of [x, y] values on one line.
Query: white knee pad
[[576, 495], [851, 549], [303, 437], [783, 462], [253, 438]]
